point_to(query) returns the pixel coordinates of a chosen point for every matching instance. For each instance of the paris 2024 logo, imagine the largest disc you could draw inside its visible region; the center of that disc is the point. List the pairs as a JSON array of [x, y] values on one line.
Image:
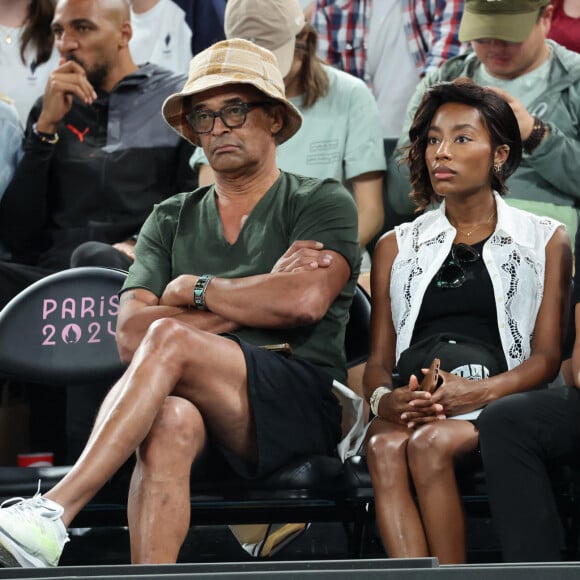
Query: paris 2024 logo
[[76, 320]]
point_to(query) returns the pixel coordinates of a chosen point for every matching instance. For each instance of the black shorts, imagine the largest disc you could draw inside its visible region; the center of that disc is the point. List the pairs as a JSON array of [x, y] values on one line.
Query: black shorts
[[294, 410]]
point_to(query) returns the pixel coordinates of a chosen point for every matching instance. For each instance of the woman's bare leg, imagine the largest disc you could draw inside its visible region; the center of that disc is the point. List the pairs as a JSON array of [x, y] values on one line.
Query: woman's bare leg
[[431, 452], [398, 518]]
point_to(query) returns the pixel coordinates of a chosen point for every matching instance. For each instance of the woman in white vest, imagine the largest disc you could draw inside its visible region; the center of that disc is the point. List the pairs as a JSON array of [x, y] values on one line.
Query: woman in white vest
[[469, 305]]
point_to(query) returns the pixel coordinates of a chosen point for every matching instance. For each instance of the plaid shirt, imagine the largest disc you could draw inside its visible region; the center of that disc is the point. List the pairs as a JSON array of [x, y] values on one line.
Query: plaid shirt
[[431, 27], [342, 30]]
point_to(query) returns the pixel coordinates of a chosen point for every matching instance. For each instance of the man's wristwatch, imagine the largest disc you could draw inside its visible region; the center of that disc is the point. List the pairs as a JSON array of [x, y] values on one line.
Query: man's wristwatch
[[376, 397], [48, 138], [199, 291]]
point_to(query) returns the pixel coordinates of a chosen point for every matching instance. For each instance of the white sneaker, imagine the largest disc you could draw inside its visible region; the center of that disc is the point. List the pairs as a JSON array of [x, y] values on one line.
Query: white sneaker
[[32, 534]]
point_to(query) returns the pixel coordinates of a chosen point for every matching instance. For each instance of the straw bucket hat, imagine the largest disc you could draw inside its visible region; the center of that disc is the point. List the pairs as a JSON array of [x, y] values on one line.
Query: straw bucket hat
[[229, 62]]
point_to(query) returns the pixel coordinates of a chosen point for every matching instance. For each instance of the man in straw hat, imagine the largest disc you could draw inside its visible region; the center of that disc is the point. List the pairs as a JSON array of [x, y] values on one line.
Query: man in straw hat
[[540, 80], [351, 150], [260, 258]]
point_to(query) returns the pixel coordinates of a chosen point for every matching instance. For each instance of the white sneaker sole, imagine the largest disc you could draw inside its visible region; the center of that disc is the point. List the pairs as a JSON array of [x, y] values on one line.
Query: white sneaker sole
[[13, 556]]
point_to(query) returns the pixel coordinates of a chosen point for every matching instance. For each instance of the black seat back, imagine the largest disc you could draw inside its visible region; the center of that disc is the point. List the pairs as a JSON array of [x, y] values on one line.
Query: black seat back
[[61, 329], [358, 330]]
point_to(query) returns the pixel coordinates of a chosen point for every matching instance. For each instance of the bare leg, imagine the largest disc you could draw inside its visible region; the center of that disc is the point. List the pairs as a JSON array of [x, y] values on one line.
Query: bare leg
[[398, 518], [159, 509], [204, 368], [431, 452]]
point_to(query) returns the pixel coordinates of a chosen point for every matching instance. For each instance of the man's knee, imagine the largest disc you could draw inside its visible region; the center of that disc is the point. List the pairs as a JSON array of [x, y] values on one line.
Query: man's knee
[[171, 339], [100, 255], [176, 437]]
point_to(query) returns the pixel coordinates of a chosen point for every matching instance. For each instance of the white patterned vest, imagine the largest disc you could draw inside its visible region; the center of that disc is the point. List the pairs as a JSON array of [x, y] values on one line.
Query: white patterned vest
[[514, 256]]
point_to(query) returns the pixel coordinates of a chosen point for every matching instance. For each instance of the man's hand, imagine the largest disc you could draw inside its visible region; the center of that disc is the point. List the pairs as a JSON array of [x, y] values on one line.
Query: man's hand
[[302, 256], [127, 247], [179, 292], [525, 120], [63, 83]]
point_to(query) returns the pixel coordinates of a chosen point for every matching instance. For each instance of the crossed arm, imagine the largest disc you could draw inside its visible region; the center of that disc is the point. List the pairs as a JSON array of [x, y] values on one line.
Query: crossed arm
[[298, 291], [414, 405]]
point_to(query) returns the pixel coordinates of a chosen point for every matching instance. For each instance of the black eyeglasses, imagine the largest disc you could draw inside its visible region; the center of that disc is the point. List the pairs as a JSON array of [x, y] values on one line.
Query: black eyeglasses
[[452, 274], [232, 116]]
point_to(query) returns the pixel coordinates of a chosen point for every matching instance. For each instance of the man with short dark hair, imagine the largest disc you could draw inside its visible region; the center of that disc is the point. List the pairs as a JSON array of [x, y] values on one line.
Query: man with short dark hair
[[97, 153], [97, 157], [232, 317]]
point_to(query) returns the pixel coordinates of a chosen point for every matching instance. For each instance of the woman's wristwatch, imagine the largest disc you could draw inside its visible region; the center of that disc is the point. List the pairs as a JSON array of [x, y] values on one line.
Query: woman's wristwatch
[[376, 397]]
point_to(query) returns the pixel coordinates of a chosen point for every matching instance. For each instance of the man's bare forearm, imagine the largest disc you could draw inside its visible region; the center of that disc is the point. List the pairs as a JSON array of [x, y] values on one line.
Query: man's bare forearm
[[133, 323]]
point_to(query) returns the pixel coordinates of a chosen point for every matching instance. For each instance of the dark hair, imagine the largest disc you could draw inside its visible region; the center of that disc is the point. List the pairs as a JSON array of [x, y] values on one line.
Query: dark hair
[[38, 31], [496, 115], [313, 78]]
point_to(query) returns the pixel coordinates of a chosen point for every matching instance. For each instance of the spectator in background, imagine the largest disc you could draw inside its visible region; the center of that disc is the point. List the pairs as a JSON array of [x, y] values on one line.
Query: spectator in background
[[27, 55], [342, 34], [340, 136], [541, 82], [97, 153], [405, 41], [367, 38], [391, 44], [565, 29], [97, 156], [206, 20], [161, 35], [10, 141]]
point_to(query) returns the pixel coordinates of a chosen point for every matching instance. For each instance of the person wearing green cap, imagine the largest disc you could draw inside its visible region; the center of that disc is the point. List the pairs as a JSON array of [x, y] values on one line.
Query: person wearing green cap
[[541, 81]]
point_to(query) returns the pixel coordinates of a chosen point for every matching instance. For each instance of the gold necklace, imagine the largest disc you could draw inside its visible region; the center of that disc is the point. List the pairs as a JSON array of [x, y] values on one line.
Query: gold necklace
[[486, 222], [7, 34]]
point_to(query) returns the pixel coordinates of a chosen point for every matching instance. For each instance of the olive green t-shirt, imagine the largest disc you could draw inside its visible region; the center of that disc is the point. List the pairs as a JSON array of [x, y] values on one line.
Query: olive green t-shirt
[[184, 235]]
